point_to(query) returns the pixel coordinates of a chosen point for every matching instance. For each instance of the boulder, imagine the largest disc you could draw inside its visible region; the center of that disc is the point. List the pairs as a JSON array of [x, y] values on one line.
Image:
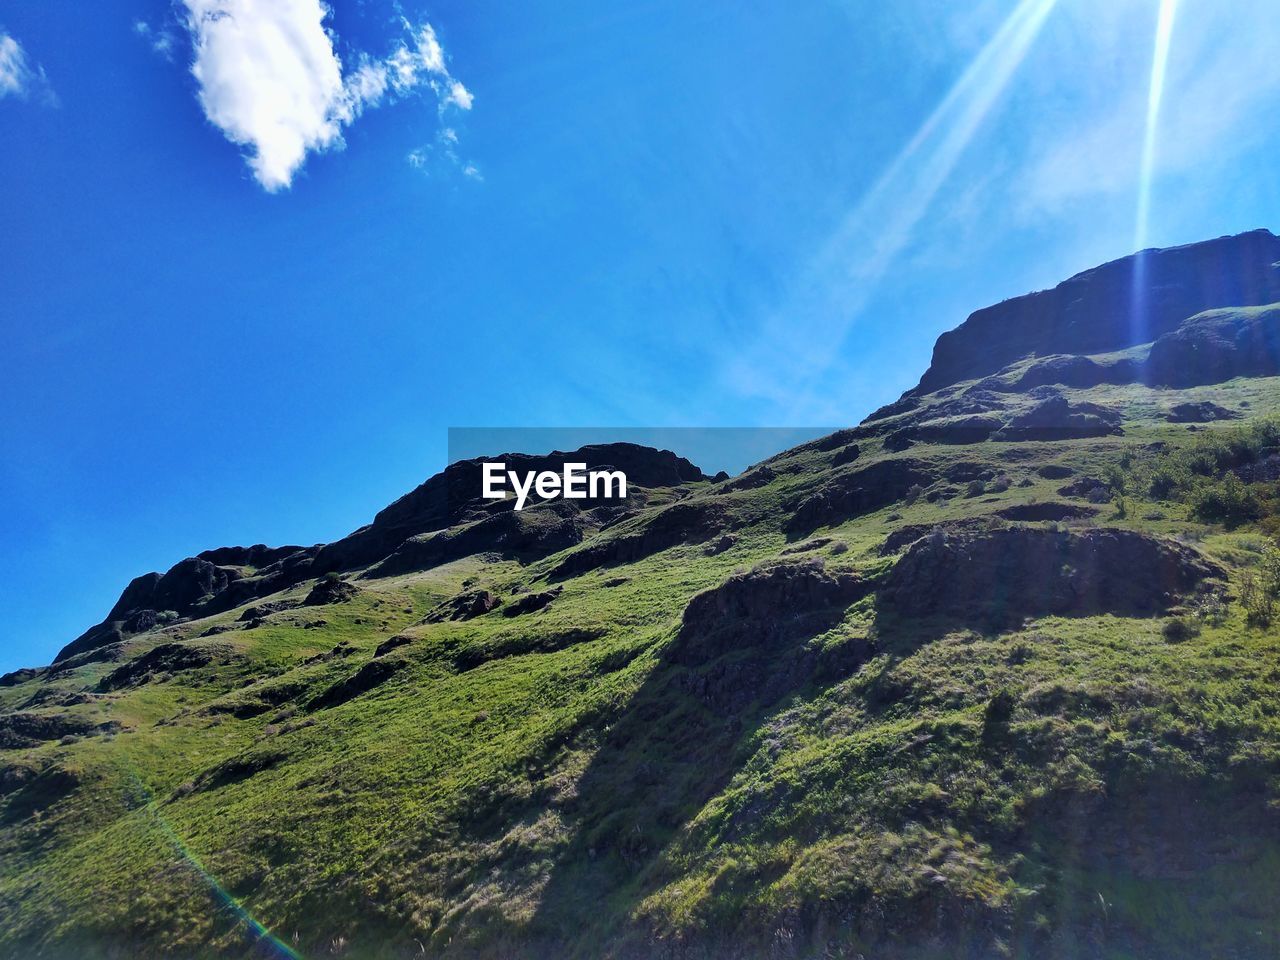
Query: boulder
[[1078, 372], [21, 730], [370, 676], [1203, 412], [1032, 512], [745, 641], [331, 590], [526, 535], [452, 497], [530, 602], [464, 606], [21, 675]]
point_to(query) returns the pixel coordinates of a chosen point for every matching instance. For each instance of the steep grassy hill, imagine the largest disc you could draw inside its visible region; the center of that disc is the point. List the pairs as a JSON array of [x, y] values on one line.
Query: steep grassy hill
[[993, 674]]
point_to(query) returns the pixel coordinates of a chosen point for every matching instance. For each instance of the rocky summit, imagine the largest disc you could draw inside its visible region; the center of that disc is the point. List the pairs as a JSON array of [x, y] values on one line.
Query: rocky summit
[[991, 674]]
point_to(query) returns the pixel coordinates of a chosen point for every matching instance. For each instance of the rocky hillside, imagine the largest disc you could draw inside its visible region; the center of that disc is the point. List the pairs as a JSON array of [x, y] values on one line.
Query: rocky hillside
[[993, 673]]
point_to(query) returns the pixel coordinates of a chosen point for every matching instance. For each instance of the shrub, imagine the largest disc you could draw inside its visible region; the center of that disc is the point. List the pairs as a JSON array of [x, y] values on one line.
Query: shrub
[[999, 708], [1227, 501], [1179, 629], [976, 488], [914, 493], [1257, 600], [1211, 608]]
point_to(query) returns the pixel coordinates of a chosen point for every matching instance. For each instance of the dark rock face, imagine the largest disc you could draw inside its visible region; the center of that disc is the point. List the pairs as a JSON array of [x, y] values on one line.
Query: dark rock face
[[1000, 576], [764, 606], [680, 523], [465, 606], [1094, 311], [261, 611], [852, 494], [331, 590], [16, 677], [971, 429], [1204, 412], [1086, 487], [40, 792], [21, 730], [1078, 372], [235, 770], [1031, 512], [752, 479], [452, 497], [1055, 471], [846, 455], [218, 580], [527, 535], [745, 640], [1056, 419], [194, 587], [166, 658], [1217, 346], [392, 643], [530, 602], [373, 674]]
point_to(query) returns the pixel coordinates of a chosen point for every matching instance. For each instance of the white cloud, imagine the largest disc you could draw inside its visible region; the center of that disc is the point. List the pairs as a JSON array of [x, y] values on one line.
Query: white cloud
[[18, 76], [271, 80]]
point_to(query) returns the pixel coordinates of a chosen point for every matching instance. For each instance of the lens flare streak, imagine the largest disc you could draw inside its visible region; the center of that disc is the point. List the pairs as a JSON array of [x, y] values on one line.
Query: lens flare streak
[[262, 941], [842, 277], [1155, 98]]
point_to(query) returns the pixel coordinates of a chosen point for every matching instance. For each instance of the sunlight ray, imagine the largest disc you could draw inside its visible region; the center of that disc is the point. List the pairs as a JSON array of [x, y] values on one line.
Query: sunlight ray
[[1155, 98], [843, 276]]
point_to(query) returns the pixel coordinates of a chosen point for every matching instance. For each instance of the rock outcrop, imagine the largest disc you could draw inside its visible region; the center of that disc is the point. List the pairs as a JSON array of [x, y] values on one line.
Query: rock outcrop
[[1202, 412], [452, 497], [166, 658], [1096, 311], [999, 576], [1058, 419], [680, 523], [764, 607], [1217, 346], [464, 606]]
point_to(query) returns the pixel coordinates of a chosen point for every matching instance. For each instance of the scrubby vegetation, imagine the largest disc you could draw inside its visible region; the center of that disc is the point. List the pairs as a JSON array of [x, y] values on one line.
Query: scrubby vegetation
[[1229, 476]]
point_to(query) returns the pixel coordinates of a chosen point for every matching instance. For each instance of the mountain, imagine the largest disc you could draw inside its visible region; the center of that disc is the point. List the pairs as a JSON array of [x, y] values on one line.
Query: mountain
[[992, 673], [1098, 311]]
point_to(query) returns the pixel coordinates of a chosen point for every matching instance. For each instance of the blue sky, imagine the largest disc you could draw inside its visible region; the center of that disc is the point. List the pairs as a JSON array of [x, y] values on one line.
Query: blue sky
[[255, 264]]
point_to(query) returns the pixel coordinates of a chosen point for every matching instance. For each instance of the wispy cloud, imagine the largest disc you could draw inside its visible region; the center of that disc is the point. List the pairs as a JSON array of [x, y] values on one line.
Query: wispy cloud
[[160, 39], [443, 154], [1220, 80], [19, 77], [271, 80]]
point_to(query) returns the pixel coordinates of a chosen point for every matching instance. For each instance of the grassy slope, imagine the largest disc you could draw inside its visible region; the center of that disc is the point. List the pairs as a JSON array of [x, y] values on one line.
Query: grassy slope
[[521, 783]]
